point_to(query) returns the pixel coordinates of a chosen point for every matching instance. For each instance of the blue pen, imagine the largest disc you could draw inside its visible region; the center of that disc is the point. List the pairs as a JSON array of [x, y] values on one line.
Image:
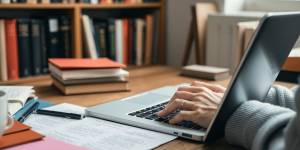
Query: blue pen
[[28, 109]]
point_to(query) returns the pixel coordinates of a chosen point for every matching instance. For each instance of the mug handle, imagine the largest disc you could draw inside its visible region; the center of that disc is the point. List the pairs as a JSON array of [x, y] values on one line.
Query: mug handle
[[11, 122]]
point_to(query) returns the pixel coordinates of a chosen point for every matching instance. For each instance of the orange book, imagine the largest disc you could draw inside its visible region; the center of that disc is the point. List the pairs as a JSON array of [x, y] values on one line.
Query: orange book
[[125, 41], [17, 127], [84, 63], [11, 49], [18, 134]]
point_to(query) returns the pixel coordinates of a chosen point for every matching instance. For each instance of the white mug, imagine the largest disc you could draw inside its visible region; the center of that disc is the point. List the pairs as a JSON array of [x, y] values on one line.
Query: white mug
[[6, 121]]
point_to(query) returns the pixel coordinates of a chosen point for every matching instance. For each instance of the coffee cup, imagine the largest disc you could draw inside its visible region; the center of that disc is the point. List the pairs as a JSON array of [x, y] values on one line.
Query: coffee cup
[[6, 121]]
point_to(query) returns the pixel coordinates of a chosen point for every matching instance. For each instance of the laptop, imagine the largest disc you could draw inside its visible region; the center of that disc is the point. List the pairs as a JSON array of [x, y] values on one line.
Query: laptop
[[266, 53]]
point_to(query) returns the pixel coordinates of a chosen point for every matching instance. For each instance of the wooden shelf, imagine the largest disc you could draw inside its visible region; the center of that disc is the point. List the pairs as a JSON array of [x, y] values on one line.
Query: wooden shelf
[[36, 6], [75, 12], [121, 6], [80, 6]]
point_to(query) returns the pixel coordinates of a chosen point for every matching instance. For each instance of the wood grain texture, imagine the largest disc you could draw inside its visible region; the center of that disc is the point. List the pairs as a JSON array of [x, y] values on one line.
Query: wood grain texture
[[81, 6]]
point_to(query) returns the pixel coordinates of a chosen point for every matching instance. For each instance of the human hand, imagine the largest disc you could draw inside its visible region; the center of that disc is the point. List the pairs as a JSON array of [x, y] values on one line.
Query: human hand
[[198, 103]]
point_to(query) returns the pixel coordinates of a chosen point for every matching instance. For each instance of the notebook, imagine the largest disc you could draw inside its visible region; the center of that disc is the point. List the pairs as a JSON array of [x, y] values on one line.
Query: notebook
[[18, 134]]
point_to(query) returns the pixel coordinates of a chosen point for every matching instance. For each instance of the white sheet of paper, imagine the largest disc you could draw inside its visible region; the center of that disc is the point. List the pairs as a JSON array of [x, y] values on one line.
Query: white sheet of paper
[[95, 134]]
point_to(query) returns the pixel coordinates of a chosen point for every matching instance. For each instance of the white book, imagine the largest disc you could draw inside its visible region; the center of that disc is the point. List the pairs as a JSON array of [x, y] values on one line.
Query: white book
[[94, 1], [119, 40], [3, 61], [89, 38], [88, 73], [140, 24], [5, 2]]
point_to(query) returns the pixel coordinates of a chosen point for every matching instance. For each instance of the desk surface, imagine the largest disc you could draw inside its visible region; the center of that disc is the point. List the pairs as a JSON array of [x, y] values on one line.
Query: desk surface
[[141, 80]]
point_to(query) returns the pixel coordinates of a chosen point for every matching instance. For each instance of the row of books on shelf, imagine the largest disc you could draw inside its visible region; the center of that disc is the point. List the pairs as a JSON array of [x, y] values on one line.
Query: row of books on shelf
[[78, 1], [26, 45], [132, 41]]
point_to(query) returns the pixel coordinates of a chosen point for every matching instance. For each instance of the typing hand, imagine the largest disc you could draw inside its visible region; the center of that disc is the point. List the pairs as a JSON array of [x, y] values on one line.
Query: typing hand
[[198, 103]]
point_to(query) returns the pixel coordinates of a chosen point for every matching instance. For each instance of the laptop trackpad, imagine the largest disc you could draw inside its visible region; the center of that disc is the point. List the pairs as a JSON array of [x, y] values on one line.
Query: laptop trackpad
[[149, 98]]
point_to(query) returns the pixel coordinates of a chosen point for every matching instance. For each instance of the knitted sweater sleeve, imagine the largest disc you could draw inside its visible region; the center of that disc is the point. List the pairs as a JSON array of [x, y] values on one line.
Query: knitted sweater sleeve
[[254, 123]]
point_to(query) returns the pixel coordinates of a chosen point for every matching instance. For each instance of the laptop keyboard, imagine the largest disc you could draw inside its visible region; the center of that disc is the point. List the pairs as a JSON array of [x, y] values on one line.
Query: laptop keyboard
[[150, 114]]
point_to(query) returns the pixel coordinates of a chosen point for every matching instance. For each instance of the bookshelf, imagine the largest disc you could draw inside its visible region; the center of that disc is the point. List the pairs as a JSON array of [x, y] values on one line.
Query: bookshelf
[[76, 10]]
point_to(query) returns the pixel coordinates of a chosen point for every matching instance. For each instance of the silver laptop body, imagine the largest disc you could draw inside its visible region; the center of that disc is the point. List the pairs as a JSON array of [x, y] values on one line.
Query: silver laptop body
[[260, 66]]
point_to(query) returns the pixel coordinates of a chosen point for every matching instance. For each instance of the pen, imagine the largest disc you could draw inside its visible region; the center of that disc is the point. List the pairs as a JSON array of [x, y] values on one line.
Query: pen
[[29, 111], [59, 114]]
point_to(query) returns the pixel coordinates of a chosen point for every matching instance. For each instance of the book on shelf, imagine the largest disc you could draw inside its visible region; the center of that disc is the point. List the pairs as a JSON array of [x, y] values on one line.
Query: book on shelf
[[3, 65], [24, 47], [125, 40], [241, 38], [149, 39], [80, 76], [36, 47], [12, 49], [27, 43], [89, 39]]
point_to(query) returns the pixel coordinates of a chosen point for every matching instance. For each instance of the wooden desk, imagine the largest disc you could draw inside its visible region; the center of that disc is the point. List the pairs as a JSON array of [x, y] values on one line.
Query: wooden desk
[[141, 80]]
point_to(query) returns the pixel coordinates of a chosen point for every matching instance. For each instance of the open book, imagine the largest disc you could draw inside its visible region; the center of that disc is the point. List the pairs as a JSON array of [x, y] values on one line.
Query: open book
[[17, 96]]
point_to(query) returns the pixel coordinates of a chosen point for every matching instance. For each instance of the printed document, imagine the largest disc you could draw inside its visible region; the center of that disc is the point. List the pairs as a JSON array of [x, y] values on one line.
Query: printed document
[[95, 134]]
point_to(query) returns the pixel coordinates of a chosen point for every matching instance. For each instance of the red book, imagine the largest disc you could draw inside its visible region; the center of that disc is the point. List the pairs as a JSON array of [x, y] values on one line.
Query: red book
[[130, 41], [12, 49], [125, 41], [84, 63]]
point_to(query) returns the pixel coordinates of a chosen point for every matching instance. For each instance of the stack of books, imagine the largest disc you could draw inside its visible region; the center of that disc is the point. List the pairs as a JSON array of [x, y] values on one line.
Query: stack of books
[[81, 76]]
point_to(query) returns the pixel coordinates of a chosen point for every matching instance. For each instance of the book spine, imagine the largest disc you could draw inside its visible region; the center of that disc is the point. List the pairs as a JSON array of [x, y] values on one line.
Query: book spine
[[36, 47], [125, 41], [94, 1], [134, 42], [103, 39], [56, 1], [3, 62], [112, 39], [21, 1], [119, 40], [45, 1], [12, 49], [44, 50], [149, 39], [155, 38], [31, 1], [97, 39], [139, 41], [24, 48], [53, 38], [130, 40], [65, 37], [89, 37], [5, 2]]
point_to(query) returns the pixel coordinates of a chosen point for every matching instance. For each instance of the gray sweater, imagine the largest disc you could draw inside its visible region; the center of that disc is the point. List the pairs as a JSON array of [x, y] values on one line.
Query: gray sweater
[[269, 124]]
